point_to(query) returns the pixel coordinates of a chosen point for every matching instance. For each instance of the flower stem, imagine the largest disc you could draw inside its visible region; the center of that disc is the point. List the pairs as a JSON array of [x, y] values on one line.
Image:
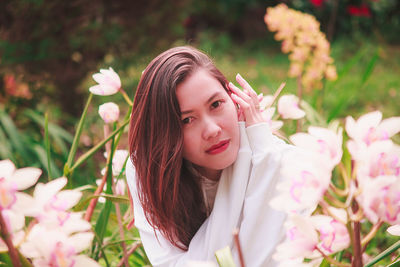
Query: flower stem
[[121, 232], [357, 253], [7, 239], [93, 202], [332, 261], [371, 235], [334, 202], [130, 251], [299, 95], [239, 248], [276, 94], [126, 97], [89, 153]]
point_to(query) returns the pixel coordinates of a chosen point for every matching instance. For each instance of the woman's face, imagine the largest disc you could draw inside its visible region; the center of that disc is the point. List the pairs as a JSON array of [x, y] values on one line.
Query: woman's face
[[210, 124]]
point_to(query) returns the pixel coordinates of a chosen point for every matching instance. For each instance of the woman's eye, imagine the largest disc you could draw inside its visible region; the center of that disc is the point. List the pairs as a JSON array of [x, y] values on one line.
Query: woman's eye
[[216, 104], [187, 120]]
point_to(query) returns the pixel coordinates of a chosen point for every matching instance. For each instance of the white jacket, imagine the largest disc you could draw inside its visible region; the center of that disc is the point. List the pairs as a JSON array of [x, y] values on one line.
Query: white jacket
[[244, 191]]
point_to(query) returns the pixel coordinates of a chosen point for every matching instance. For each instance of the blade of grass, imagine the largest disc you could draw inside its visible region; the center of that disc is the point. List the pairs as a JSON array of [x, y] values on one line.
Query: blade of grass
[[40, 154], [384, 254], [47, 144], [370, 67], [77, 136], [14, 136], [58, 134], [5, 149]]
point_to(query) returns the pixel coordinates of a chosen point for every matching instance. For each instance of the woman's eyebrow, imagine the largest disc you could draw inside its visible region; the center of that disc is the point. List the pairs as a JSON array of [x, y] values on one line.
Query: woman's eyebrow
[[210, 99]]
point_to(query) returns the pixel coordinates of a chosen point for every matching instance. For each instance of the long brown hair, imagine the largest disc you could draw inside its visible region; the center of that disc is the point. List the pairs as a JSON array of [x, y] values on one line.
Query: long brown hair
[[170, 194]]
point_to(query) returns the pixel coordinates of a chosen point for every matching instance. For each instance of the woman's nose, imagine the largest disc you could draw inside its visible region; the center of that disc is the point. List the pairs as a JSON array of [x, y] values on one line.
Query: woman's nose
[[211, 129]]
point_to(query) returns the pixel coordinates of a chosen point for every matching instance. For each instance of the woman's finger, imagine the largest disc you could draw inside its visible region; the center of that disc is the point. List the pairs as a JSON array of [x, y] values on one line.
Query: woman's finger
[[250, 91], [239, 92]]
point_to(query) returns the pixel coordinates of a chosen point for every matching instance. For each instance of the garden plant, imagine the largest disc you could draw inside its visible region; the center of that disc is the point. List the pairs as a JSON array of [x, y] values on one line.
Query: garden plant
[[342, 201]]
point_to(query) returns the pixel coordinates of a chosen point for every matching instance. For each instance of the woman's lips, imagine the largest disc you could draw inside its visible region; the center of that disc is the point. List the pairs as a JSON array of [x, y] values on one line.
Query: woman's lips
[[218, 148]]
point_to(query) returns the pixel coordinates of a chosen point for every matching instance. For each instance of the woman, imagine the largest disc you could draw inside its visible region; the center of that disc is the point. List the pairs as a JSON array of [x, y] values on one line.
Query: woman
[[203, 162]]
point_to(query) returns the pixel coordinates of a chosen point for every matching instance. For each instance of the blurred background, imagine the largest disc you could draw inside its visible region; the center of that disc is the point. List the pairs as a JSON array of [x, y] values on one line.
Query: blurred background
[[50, 48]]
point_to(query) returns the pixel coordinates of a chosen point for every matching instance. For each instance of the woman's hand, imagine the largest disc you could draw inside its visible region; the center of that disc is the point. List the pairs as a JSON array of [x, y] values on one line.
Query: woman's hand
[[248, 101]]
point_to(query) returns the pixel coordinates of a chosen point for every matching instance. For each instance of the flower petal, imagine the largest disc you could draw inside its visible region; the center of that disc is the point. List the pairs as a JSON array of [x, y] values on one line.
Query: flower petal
[[26, 177], [6, 168]]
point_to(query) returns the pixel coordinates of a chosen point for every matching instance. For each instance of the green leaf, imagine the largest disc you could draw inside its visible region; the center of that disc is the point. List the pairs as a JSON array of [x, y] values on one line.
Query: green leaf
[[57, 134], [112, 198], [47, 144], [5, 149], [14, 136], [370, 67], [224, 257], [384, 254], [42, 157], [78, 133], [394, 264]]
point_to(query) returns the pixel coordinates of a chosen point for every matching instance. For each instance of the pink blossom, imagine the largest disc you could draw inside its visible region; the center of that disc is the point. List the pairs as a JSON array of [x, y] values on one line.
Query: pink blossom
[[333, 235], [267, 115], [303, 183], [380, 199], [324, 142], [118, 161], [301, 240], [15, 223], [394, 230], [50, 205], [288, 107], [12, 180], [368, 129], [108, 81], [109, 112], [378, 160], [52, 247], [307, 233]]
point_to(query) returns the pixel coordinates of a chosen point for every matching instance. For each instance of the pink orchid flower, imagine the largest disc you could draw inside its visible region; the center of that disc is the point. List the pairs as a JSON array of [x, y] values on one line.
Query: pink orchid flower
[[15, 223], [108, 81], [303, 184], [13, 202], [368, 129], [13, 180], [288, 107], [380, 199], [301, 240], [109, 112], [267, 116], [118, 162], [50, 205], [52, 247], [381, 158], [324, 142], [394, 230], [333, 235]]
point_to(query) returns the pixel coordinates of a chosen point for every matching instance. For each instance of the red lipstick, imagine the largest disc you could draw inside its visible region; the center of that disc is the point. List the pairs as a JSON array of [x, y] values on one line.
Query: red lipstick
[[218, 148]]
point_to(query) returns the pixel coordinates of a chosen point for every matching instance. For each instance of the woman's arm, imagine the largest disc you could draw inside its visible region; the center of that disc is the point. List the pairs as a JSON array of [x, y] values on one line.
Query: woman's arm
[[262, 227], [216, 231]]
